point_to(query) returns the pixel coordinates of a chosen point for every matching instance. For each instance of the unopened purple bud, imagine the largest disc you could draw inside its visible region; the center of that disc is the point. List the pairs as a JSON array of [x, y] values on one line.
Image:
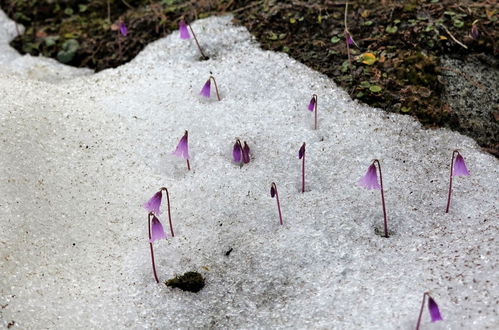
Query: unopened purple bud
[[272, 191], [184, 33], [154, 203], [370, 179], [460, 168], [434, 311], [182, 149], [123, 29], [301, 153], [157, 231], [246, 153], [237, 152], [205, 91], [474, 32], [311, 105]]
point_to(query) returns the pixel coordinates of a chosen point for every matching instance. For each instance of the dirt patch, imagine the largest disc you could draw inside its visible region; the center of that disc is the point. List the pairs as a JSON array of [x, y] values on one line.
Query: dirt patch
[[395, 61]]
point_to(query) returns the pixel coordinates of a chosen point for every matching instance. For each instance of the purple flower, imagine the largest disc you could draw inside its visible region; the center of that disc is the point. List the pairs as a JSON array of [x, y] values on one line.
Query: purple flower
[[301, 152], [237, 151], [370, 179], [205, 91], [154, 203], [182, 149], [184, 33], [123, 29], [246, 153], [311, 105], [474, 32], [460, 167], [434, 311], [157, 231]]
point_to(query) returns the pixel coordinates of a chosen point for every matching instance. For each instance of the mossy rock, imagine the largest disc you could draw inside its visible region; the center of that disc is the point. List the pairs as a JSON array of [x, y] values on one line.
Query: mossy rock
[[190, 281]]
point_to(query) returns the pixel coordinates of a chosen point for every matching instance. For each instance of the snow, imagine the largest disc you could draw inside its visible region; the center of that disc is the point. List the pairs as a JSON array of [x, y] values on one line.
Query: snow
[[79, 156]]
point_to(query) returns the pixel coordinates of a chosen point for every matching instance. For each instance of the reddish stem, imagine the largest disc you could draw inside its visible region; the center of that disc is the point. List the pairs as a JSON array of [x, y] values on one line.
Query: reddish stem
[[188, 165], [315, 124], [197, 43], [421, 310], [278, 204], [303, 170], [382, 197], [169, 214], [216, 86], [150, 244], [450, 179]]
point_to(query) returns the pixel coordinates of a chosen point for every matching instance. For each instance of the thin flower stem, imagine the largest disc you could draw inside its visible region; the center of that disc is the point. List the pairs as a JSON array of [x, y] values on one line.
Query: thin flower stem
[[169, 213], [382, 197], [188, 165], [450, 179], [216, 86], [315, 122], [197, 43], [150, 244], [278, 204], [303, 172], [347, 34], [421, 310]]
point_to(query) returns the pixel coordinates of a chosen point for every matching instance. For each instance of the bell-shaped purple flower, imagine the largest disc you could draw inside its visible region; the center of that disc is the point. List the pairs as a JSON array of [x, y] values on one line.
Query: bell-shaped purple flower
[[370, 179], [474, 32], [460, 167], [157, 231], [272, 191], [237, 152], [184, 33], [311, 105], [434, 311], [301, 152], [206, 90], [182, 149], [154, 203], [123, 29], [246, 153]]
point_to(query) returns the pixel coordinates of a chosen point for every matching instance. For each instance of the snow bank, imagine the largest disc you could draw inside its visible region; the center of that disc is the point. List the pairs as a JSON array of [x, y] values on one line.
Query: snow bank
[[79, 158]]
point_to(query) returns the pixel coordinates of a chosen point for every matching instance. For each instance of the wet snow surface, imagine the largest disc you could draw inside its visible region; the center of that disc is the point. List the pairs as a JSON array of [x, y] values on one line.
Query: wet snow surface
[[79, 157]]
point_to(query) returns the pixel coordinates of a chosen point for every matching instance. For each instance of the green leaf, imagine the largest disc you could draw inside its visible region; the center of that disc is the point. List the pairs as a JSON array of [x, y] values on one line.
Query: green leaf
[[335, 40], [285, 49], [68, 11], [375, 88], [368, 23], [292, 20], [457, 23], [391, 29], [365, 84]]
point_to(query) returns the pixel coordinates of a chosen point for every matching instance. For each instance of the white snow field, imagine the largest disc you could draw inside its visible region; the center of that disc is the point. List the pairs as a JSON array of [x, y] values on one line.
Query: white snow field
[[79, 157]]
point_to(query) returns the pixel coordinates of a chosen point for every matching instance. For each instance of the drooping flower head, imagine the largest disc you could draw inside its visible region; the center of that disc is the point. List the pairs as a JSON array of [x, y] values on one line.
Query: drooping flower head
[[434, 311], [237, 151], [370, 179], [459, 166], [311, 105], [206, 90], [157, 231], [301, 152], [123, 29], [272, 191], [474, 31], [246, 153], [182, 149], [184, 33], [154, 203]]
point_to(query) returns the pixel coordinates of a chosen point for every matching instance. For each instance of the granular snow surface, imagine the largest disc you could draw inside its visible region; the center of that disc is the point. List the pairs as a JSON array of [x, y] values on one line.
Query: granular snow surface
[[79, 157]]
